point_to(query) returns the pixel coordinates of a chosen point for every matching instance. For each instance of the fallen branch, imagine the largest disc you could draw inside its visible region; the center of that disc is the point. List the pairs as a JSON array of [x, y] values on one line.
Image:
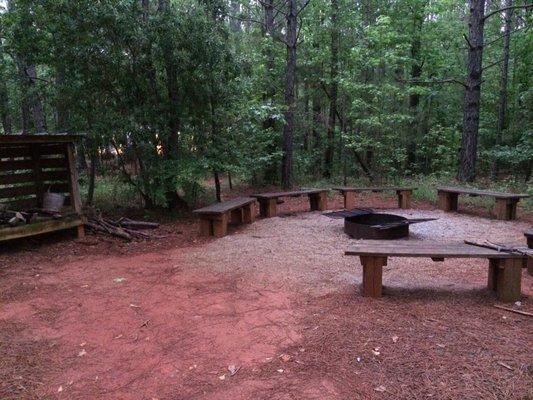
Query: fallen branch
[[123, 228], [501, 248], [513, 310]]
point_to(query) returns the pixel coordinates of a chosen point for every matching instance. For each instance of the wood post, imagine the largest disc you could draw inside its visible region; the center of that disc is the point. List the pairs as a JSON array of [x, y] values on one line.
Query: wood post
[[318, 201], [268, 207], [74, 188], [506, 209], [448, 201], [349, 199], [372, 275], [248, 213], [404, 198], [236, 216], [509, 279], [220, 225], [494, 267], [206, 227]]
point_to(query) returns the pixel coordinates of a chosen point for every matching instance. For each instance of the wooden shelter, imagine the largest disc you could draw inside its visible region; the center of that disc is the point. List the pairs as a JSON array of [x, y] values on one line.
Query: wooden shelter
[[30, 165]]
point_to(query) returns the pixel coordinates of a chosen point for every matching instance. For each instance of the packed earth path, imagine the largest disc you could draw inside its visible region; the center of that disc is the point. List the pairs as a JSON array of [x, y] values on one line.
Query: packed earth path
[[271, 311]]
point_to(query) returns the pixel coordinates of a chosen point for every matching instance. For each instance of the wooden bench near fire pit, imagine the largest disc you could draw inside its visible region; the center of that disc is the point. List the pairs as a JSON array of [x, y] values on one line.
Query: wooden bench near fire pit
[[404, 194], [505, 202], [214, 219], [268, 202], [505, 269]]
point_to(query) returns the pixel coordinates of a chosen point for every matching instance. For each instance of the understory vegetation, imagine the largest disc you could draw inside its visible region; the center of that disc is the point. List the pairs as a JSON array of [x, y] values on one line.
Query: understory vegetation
[[171, 94]]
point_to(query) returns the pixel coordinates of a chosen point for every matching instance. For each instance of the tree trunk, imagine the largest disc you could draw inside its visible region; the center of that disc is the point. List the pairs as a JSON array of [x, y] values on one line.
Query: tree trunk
[[290, 79], [92, 175], [61, 106], [334, 69], [217, 186], [235, 23], [472, 98], [230, 181], [502, 107], [5, 115], [414, 98], [36, 106]]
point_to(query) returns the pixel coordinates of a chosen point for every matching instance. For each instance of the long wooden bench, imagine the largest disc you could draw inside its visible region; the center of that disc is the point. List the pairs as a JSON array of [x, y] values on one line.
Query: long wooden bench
[[505, 269], [214, 219], [505, 202], [268, 202], [404, 194]]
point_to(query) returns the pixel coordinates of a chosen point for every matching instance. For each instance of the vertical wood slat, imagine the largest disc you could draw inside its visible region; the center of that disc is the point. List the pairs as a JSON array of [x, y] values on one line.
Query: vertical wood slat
[[38, 180]]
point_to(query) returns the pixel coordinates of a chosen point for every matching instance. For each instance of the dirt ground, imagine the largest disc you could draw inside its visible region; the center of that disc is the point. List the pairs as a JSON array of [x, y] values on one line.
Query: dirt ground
[[271, 311]]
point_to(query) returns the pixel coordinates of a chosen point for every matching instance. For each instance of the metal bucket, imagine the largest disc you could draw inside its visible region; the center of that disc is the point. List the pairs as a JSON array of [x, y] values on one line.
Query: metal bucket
[[53, 201]]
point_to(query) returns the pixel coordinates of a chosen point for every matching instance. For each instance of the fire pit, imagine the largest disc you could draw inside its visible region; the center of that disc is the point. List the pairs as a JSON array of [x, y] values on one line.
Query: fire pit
[[366, 224]]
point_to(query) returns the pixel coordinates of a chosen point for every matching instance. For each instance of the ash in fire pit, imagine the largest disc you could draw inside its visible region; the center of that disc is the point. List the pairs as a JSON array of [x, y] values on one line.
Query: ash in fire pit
[[366, 224]]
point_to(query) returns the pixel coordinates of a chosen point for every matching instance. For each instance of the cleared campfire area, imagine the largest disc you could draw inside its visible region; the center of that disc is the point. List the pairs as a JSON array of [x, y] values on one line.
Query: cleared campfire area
[[272, 311]]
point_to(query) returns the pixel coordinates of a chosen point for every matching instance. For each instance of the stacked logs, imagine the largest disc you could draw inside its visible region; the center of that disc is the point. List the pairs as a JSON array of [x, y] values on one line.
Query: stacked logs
[[124, 228]]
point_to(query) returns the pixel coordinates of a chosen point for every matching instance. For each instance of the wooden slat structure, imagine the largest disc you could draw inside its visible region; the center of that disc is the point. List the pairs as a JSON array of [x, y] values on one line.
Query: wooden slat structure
[[268, 202], [529, 237], [30, 165], [404, 194], [214, 219], [505, 202], [505, 269]]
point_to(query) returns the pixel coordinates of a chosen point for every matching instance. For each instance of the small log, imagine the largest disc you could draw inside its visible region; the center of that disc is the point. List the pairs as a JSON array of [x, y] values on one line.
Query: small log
[[514, 311]]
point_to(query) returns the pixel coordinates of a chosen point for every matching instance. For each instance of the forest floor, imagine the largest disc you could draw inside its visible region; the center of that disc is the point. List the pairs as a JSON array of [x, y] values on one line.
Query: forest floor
[[271, 311]]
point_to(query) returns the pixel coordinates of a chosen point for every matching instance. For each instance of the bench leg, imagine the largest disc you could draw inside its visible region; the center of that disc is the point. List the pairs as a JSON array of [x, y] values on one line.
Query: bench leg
[[494, 267], [349, 200], [80, 231], [206, 226], [236, 216], [448, 201], [248, 213], [530, 265], [220, 225], [404, 199], [506, 209], [268, 208], [318, 201], [509, 279], [372, 275]]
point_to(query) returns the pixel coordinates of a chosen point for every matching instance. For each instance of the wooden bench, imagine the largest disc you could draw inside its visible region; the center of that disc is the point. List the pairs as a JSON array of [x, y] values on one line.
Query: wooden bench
[[529, 236], [214, 219], [268, 202], [505, 269], [404, 194], [505, 202]]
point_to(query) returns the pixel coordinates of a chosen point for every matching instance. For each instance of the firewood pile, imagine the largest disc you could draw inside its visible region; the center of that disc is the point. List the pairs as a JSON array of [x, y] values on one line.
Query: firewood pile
[[124, 228]]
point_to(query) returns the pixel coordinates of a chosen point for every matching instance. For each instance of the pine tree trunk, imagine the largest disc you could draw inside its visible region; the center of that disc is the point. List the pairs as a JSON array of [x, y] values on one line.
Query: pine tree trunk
[[502, 107], [414, 98], [334, 69], [472, 98], [290, 79], [5, 115], [217, 186]]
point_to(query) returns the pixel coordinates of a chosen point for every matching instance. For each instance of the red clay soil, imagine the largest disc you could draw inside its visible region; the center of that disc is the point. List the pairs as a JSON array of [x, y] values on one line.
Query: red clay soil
[[105, 319]]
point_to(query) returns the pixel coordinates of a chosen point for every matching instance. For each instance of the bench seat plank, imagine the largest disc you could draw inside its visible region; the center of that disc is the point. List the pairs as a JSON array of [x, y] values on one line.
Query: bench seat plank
[[293, 193], [478, 192], [225, 206], [268, 201], [373, 189], [403, 192], [425, 249]]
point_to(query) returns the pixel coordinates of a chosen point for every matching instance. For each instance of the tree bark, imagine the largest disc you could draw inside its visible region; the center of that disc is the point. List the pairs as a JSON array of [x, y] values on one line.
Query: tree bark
[[290, 79], [5, 115], [414, 97], [217, 186], [472, 98], [334, 69], [61, 106], [502, 107]]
